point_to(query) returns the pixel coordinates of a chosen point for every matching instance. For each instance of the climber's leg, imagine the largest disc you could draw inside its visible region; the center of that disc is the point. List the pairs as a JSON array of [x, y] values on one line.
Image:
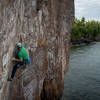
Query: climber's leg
[[18, 65]]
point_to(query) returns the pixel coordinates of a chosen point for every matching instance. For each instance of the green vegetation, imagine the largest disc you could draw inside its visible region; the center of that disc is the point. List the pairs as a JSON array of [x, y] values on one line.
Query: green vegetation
[[85, 30]]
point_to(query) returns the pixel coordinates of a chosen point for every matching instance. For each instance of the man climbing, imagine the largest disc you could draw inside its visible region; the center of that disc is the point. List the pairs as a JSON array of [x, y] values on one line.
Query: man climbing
[[23, 58]]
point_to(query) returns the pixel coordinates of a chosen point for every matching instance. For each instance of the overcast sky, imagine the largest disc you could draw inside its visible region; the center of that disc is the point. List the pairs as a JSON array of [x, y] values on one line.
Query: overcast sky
[[90, 9]]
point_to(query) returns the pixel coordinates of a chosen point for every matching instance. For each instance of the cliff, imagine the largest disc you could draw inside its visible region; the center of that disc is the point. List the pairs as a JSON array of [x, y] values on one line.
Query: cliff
[[45, 26]]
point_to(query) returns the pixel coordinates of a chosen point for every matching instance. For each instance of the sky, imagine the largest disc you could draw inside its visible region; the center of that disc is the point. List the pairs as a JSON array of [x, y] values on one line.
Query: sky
[[90, 9]]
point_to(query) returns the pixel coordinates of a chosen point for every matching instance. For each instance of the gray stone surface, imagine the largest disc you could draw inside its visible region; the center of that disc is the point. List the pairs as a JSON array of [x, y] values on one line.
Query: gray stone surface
[[45, 26]]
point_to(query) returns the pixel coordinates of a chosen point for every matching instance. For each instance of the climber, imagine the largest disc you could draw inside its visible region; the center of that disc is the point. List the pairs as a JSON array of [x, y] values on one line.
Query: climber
[[23, 58]]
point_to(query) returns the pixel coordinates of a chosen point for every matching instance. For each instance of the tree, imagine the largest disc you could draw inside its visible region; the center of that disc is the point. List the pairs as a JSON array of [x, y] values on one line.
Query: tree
[[85, 30]]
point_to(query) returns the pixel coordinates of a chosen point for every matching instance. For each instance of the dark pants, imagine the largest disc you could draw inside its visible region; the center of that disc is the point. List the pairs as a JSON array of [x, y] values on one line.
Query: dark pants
[[16, 66]]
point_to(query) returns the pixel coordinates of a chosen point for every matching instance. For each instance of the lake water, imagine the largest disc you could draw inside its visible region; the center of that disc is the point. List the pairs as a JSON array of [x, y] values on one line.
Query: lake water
[[82, 80]]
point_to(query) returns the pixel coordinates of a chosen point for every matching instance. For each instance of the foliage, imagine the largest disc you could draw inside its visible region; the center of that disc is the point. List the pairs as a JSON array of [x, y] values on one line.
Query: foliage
[[85, 29]]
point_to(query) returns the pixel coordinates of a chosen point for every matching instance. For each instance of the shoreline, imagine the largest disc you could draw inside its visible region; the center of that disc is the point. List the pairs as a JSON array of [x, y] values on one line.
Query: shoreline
[[82, 43]]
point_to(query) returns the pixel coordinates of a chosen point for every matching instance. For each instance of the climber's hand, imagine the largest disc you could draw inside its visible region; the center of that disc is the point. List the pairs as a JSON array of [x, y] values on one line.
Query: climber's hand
[[13, 59]]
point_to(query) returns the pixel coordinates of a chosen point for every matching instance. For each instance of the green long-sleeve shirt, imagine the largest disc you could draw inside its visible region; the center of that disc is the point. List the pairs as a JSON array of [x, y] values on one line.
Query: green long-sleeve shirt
[[23, 53]]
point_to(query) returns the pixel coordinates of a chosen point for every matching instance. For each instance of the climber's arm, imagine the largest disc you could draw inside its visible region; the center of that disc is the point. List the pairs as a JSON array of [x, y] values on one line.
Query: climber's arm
[[17, 60], [21, 40]]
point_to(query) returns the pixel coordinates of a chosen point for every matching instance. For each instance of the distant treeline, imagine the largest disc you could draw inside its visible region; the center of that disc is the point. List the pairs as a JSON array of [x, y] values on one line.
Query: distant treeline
[[85, 30]]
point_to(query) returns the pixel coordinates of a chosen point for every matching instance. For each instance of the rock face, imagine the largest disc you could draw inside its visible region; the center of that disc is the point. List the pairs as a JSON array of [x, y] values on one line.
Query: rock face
[[45, 26]]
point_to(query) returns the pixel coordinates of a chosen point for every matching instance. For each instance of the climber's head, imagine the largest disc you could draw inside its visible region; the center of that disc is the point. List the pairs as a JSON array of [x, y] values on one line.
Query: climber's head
[[19, 45]]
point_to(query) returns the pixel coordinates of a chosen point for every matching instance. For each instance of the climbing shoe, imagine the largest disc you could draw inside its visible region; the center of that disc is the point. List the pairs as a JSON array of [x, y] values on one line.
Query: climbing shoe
[[9, 79]]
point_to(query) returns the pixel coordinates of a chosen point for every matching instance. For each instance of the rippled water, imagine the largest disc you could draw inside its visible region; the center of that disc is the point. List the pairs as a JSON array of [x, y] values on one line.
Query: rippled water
[[82, 80]]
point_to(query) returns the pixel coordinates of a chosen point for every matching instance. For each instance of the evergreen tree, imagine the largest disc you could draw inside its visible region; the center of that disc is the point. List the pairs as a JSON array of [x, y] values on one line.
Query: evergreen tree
[[85, 29]]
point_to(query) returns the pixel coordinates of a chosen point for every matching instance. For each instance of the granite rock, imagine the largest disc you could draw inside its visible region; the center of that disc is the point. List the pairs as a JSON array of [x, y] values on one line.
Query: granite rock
[[45, 26]]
